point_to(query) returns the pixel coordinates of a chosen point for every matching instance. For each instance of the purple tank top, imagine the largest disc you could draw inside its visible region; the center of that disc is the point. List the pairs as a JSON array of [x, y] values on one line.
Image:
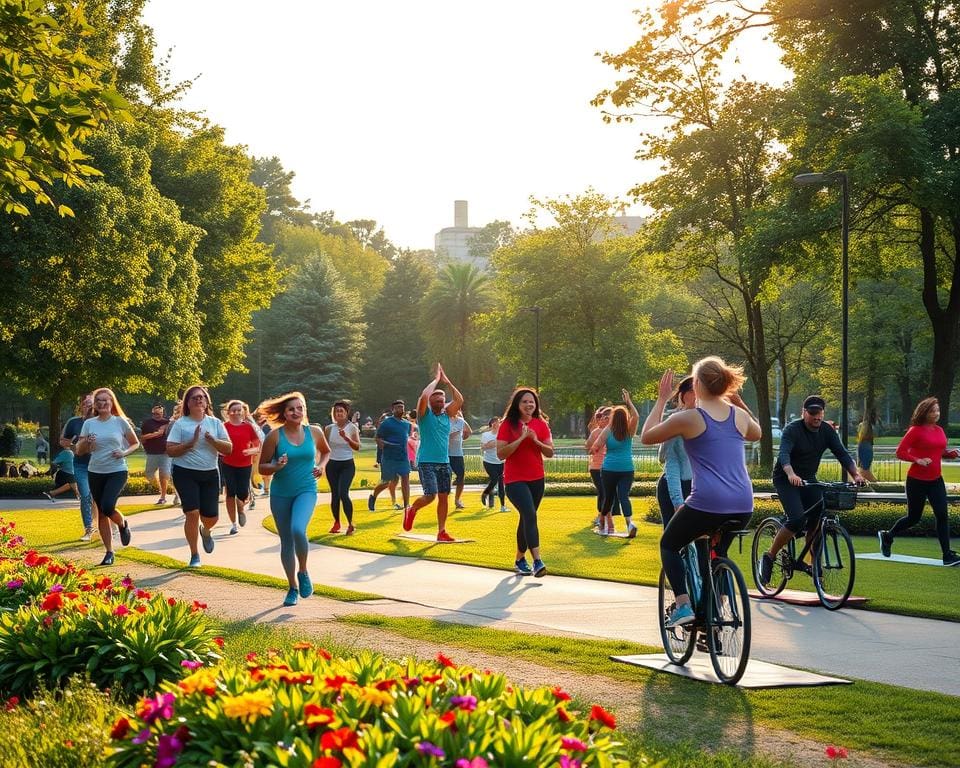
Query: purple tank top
[[720, 484]]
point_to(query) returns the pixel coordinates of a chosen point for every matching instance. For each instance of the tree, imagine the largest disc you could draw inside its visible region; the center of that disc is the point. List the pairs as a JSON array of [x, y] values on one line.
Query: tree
[[494, 235], [282, 207], [313, 335], [53, 96], [595, 338]]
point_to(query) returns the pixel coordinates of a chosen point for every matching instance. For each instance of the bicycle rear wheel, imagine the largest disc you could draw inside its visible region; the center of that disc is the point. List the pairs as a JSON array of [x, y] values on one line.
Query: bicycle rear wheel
[[835, 566], [728, 622], [678, 642], [762, 541]]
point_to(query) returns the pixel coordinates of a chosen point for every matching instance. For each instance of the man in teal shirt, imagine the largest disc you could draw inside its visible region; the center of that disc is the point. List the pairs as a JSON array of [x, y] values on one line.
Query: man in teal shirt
[[433, 458]]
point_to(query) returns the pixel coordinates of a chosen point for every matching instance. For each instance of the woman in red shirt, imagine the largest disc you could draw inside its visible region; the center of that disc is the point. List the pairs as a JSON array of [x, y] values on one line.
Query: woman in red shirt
[[238, 464], [924, 445], [522, 441]]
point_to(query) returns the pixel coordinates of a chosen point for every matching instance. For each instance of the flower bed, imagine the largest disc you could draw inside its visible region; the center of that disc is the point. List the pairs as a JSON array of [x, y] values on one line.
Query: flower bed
[[306, 709]]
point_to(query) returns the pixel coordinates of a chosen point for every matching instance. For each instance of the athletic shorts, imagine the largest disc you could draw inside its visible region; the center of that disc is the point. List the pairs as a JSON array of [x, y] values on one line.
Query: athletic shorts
[[237, 480], [435, 478], [457, 467], [393, 468], [158, 461], [63, 478], [198, 489]]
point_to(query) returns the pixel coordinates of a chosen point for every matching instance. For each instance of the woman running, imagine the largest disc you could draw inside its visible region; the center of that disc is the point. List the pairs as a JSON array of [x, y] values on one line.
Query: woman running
[[343, 437], [523, 439], [492, 465], [616, 472], [924, 445], [865, 439], [237, 467], [195, 442], [109, 439], [674, 484], [294, 454], [713, 435], [596, 451]]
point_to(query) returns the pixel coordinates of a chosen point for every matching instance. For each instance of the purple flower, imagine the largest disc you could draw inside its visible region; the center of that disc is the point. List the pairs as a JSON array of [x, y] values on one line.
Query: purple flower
[[56, 588], [158, 707], [467, 703], [477, 762], [191, 665], [169, 747], [142, 737], [431, 750], [15, 584], [569, 762]]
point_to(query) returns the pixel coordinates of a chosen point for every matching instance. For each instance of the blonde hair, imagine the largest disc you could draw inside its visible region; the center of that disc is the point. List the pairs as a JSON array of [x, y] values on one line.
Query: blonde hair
[[718, 378], [115, 408], [273, 408], [229, 404]]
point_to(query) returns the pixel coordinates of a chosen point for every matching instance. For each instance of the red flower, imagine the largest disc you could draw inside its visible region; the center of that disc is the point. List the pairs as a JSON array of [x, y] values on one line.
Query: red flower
[[33, 559], [563, 716], [68, 743], [121, 610], [336, 682], [324, 654], [342, 738], [559, 694], [836, 752], [11, 703], [445, 661], [603, 717], [386, 685], [315, 715], [171, 601], [120, 729], [252, 656], [198, 606], [104, 583], [326, 762], [432, 678], [450, 719], [140, 609], [218, 640], [297, 678], [142, 594], [52, 602]]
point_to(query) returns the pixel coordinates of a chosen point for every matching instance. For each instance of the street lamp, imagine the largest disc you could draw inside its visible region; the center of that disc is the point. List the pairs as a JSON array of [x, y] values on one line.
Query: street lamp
[[536, 355], [823, 180]]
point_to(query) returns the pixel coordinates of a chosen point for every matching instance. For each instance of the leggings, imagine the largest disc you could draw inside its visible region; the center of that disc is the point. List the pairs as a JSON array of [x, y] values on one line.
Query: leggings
[[685, 526], [616, 486], [292, 515], [495, 473], [105, 488], [663, 498], [340, 475], [525, 495], [595, 476], [918, 491]]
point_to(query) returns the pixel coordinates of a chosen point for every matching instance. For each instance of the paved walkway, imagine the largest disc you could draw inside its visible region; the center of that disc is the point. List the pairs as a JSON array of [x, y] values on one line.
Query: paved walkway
[[917, 653]]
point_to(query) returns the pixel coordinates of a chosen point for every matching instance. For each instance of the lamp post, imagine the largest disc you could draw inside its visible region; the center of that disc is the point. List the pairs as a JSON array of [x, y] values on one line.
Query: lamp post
[[536, 354], [822, 180]]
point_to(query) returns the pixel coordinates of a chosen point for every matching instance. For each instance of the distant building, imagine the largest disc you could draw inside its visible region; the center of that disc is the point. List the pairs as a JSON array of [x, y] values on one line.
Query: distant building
[[628, 225], [453, 243]]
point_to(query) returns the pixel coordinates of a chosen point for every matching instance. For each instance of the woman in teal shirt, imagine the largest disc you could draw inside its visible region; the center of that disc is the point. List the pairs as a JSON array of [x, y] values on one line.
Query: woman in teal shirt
[[294, 454], [616, 474]]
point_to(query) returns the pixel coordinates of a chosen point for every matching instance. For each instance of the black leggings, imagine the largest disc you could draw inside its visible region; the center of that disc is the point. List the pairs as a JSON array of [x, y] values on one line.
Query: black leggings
[[525, 495], [685, 526], [663, 498], [918, 491], [105, 489], [616, 487], [495, 473], [340, 475], [598, 484]]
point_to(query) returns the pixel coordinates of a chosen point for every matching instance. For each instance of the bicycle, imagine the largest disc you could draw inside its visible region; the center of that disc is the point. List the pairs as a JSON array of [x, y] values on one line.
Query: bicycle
[[725, 625], [829, 545]]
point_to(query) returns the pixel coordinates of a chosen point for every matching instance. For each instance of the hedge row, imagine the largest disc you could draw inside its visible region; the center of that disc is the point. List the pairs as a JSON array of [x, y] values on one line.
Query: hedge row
[[26, 487]]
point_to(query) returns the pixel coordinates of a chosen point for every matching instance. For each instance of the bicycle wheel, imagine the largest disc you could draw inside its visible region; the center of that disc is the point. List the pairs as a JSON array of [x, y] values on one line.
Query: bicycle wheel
[[678, 642], [728, 622], [835, 566], [762, 541]]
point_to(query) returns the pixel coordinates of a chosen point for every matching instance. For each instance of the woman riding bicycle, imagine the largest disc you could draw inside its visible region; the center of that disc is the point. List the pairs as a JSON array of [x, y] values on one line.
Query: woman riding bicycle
[[713, 435]]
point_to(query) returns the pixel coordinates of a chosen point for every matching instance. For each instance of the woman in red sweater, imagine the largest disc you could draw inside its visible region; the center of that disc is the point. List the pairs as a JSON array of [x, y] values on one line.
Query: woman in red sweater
[[924, 445]]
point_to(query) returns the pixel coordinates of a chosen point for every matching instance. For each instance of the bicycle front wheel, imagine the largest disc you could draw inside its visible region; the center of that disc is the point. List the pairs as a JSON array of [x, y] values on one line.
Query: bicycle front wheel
[[728, 622], [835, 566], [678, 642], [762, 541]]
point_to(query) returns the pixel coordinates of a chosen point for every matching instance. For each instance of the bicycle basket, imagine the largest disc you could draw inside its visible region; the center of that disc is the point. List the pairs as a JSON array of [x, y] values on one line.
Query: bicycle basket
[[839, 500]]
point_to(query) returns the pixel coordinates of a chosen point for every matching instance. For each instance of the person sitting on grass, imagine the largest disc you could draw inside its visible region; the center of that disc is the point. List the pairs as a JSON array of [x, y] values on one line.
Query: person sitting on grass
[[64, 479]]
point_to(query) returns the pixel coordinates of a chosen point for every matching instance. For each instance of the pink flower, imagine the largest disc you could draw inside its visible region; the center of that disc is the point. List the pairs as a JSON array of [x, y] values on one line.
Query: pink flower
[[575, 745], [121, 610], [430, 750], [169, 747], [191, 665], [55, 588], [477, 762], [14, 583], [466, 703], [161, 706]]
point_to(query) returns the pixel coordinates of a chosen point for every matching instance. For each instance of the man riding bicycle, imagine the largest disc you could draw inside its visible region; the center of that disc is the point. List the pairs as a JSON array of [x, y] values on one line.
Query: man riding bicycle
[[802, 445]]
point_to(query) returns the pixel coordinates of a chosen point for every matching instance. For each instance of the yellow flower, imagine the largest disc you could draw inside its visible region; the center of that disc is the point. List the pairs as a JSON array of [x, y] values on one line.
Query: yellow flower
[[373, 696], [204, 680], [248, 706]]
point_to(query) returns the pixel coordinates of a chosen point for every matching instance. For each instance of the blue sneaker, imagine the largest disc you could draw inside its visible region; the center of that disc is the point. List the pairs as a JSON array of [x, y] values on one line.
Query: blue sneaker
[[292, 597], [539, 569], [371, 502], [522, 567], [207, 539], [306, 586], [682, 614], [194, 561]]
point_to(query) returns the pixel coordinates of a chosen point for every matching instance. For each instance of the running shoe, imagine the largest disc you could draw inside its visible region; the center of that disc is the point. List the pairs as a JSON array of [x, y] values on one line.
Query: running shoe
[[234, 530], [886, 542], [194, 561], [207, 539], [408, 516], [125, 534], [539, 568], [483, 499], [631, 531], [397, 506], [682, 614], [445, 537], [523, 567], [503, 509], [336, 527], [107, 559], [306, 586], [253, 501], [766, 568], [241, 517], [459, 505], [951, 558], [292, 597], [371, 502], [87, 534], [161, 500], [350, 530], [49, 497]]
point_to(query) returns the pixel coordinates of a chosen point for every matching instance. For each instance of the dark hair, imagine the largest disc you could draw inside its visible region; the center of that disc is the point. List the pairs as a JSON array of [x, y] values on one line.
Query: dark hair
[[341, 404], [922, 410], [184, 402], [683, 386], [512, 414], [490, 423], [397, 402], [618, 422]]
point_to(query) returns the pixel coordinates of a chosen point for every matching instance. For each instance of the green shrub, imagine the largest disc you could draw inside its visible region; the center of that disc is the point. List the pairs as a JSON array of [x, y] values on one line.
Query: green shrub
[[25, 487], [8, 440]]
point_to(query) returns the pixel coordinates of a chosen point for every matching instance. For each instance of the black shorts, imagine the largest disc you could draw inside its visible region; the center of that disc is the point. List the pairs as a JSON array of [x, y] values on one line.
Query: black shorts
[[237, 481], [198, 489], [63, 478], [457, 467]]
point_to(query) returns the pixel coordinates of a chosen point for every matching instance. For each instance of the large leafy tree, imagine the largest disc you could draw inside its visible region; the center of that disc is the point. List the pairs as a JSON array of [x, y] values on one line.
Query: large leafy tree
[[282, 207], [53, 95]]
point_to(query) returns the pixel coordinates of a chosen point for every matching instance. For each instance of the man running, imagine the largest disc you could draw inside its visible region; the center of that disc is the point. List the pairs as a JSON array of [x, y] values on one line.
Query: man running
[[392, 435], [459, 431], [433, 459], [802, 445]]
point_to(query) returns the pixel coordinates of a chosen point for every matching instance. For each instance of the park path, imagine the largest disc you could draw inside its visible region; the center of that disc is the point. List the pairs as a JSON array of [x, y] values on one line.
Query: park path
[[917, 653]]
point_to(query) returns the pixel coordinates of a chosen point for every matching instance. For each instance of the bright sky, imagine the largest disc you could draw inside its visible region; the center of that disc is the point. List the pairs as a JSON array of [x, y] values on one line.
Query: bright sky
[[391, 110]]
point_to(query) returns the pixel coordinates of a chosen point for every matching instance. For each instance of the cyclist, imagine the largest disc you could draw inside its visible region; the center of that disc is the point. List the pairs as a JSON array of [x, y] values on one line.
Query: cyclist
[[802, 445], [713, 434]]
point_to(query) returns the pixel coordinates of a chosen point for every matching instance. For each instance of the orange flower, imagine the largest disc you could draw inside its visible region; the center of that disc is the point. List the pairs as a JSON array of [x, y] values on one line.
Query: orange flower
[[342, 738], [296, 678], [302, 646], [120, 729], [324, 654], [445, 661], [563, 716], [204, 680], [315, 715]]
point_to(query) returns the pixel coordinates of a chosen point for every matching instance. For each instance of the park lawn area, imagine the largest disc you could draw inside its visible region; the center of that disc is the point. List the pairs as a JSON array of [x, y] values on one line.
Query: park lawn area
[[569, 548]]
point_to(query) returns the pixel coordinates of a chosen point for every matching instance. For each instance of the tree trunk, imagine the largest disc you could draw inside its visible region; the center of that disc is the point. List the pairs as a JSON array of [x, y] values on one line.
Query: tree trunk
[[784, 394], [54, 424], [588, 411], [761, 383]]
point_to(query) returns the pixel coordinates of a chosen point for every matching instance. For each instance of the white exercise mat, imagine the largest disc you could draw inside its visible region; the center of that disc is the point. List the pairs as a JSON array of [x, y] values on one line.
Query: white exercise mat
[[902, 559], [759, 674]]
